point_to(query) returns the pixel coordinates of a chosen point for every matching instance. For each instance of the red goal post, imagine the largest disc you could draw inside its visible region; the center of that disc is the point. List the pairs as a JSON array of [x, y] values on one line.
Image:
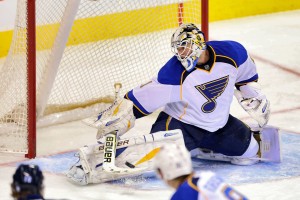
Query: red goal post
[[66, 55]]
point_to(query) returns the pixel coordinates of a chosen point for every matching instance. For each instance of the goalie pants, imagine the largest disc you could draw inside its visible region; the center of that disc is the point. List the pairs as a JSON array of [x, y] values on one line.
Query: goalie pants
[[231, 140]]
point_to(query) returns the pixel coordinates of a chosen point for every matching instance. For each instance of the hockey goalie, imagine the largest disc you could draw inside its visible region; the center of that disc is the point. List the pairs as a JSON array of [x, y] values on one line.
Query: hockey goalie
[[116, 156], [195, 88]]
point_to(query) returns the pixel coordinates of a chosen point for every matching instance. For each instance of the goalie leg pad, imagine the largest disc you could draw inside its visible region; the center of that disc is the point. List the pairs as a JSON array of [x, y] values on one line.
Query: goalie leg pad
[[131, 152], [269, 150], [270, 145], [210, 155], [84, 155], [77, 175]]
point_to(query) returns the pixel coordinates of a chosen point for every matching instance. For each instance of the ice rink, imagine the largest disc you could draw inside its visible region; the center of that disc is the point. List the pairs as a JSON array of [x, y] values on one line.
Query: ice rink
[[274, 43]]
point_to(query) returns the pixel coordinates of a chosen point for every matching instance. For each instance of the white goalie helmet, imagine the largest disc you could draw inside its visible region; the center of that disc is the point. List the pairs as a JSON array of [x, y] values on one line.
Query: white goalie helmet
[[187, 43], [173, 161]]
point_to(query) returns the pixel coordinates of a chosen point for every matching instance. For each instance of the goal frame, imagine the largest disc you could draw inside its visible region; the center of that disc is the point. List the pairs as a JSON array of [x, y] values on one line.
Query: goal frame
[[31, 82], [31, 65]]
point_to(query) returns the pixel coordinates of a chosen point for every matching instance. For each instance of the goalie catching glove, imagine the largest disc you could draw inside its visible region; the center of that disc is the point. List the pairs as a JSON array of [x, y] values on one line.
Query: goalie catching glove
[[117, 117], [254, 102]]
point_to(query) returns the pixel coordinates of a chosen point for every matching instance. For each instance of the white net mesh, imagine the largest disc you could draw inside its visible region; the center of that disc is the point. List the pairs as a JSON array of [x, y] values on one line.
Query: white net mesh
[[123, 41]]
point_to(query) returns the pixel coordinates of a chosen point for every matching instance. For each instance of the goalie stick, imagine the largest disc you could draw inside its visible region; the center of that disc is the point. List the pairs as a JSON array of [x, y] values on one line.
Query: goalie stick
[[110, 157], [89, 168], [111, 144], [117, 87]]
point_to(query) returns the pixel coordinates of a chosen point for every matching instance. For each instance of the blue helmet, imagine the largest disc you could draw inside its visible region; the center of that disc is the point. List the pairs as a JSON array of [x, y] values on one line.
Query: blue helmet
[[28, 178]]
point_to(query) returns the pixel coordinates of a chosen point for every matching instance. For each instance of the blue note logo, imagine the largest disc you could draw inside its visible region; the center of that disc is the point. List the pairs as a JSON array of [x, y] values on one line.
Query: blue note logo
[[211, 91]]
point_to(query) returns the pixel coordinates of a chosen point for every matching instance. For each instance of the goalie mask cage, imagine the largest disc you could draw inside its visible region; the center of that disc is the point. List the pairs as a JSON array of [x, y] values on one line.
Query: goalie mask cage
[[66, 55]]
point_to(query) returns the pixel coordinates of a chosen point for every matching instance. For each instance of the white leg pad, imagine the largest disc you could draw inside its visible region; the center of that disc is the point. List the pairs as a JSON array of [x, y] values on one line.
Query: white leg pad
[[270, 148], [248, 158], [270, 145], [210, 155], [137, 152], [252, 149], [77, 175]]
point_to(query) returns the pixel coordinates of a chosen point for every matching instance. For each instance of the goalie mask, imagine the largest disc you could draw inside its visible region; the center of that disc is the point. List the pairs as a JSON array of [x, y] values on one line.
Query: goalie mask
[[187, 44], [173, 161]]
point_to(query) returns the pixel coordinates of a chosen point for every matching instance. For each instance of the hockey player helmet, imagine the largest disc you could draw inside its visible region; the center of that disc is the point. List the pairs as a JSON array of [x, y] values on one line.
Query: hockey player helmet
[[28, 178], [173, 161], [187, 43]]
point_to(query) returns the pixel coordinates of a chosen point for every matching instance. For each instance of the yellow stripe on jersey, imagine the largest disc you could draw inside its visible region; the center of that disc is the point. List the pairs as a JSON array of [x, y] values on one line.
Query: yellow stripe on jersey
[[136, 106], [192, 185], [168, 122], [235, 65], [214, 53], [245, 83], [181, 82], [184, 111]]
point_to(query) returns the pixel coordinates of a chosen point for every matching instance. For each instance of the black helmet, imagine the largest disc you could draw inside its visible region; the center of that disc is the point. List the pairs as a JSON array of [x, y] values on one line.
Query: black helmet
[[28, 178]]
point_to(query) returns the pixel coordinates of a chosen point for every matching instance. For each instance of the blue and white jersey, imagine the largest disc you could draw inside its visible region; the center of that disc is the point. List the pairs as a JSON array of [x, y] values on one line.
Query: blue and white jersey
[[206, 186], [203, 96]]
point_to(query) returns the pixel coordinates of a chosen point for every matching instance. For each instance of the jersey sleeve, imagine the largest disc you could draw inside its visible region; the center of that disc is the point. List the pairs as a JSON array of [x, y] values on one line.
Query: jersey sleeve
[[246, 72], [246, 67], [161, 90], [236, 52], [151, 96]]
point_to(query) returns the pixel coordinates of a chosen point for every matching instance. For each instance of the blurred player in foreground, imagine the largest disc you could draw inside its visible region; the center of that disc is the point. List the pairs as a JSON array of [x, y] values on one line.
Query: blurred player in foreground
[[28, 183], [174, 166]]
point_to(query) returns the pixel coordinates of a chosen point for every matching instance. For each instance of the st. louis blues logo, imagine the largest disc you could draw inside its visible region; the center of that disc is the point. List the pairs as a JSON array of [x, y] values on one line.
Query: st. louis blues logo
[[211, 91]]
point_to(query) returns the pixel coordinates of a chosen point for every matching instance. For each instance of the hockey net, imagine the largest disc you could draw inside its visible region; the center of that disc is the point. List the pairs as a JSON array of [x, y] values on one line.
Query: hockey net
[[82, 48]]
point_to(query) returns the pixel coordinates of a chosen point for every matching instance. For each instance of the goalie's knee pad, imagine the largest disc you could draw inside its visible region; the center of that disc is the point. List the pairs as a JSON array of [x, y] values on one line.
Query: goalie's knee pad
[[265, 146], [245, 161], [252, 149], [270, 145], [248, 158]]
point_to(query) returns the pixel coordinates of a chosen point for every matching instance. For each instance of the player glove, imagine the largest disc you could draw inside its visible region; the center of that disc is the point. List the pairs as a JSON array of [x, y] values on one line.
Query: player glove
[[254, 102], [120, 117]]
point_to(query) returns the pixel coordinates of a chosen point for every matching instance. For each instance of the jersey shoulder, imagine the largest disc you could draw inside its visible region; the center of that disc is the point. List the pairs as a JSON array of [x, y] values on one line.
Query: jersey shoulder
[[230, 49], [170, 73]]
